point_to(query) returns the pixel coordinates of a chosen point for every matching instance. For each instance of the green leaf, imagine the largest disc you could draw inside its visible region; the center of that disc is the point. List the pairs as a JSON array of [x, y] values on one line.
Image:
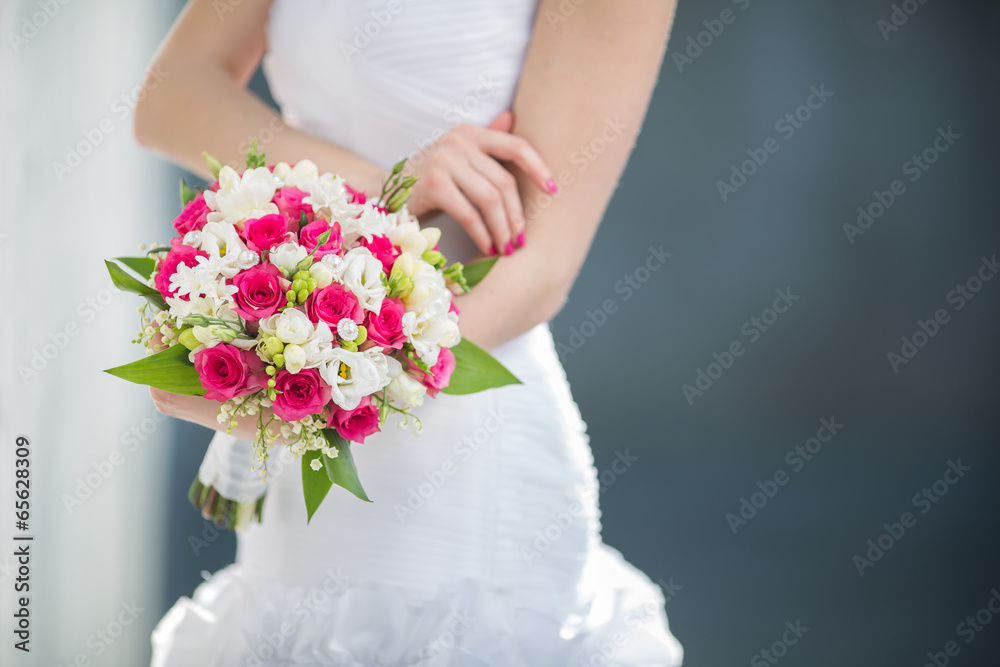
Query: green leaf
[[315, 485], [476, 370], [142, 265], [127, 283], [213, 165], [476, 271], [341, 470], [254, 157], [168, 370], [187, 194]]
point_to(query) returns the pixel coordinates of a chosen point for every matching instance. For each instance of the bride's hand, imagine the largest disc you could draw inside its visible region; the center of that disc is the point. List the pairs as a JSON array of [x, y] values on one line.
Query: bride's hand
[[204, 412], [461, 174]]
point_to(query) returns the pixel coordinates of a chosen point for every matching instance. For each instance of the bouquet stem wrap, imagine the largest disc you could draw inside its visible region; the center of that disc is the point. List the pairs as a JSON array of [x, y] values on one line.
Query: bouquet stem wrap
[[228, 490]]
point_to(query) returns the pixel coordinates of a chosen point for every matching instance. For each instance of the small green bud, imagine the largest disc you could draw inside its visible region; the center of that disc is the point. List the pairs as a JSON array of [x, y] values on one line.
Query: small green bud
[[434, 258], [398, 167], [188, 340], [408, 182], [303, 295], [271, 384], [273, 346], [290, 295], [397, 201], [271, 370], [279, 360], [214, 165]]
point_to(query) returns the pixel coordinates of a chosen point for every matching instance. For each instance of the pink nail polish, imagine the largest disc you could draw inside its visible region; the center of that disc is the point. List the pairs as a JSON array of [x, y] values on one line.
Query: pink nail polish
[[508, 249], [493, 251], [551, 185], [519, 242]]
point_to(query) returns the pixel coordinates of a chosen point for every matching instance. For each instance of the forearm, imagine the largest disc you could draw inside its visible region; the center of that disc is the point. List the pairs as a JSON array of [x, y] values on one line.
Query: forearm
[[198, 102], [581, 101]]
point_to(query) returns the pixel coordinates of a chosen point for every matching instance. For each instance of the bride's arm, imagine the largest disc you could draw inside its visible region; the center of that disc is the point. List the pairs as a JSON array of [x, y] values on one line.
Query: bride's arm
[[195, 100], [586, 77], [201, 104]]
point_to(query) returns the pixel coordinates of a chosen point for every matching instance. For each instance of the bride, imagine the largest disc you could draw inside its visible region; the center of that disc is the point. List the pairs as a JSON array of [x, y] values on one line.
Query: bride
[[482, 545]]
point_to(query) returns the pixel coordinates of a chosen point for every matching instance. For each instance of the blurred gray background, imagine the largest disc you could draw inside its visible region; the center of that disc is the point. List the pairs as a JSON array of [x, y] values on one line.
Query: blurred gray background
[[792, 558]]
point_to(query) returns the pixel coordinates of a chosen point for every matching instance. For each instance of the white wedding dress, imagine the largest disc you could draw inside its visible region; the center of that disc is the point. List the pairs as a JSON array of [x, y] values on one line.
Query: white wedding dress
[[482, 546]]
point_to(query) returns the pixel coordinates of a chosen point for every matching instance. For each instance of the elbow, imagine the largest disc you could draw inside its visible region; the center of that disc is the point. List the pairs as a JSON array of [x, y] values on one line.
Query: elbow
[[145, 124], [551, 299]]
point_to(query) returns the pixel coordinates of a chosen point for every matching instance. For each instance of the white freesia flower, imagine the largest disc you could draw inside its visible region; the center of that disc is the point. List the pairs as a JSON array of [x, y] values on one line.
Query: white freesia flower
[[406, 390], [243, 197], [351, 376], [362, 274], [295, 358], [287, 255], [220, 239], [329, 198], [409, 238], [301, 176], [290, 326], [324, 275], [318, 348], [368, 222]]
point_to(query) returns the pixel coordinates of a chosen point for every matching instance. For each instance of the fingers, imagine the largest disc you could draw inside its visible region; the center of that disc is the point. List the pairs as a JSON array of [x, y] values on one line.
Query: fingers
[[511, 148], [502, 123], [506, 185], [450, 199]]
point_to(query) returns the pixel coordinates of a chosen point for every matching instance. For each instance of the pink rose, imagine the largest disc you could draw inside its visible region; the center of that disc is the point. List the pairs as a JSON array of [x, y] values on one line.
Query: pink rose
[[356, 196], [383, 249], [357, 424], [265, 233], [333, 303], [386, 328], [193, 217], [261, 290], [179, 254], [309, 235], [227, 371], [299, 394], [440, 373], [290, 204]]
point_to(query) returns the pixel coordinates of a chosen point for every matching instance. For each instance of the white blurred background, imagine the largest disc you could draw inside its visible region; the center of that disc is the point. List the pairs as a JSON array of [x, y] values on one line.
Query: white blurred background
[[76, 188]]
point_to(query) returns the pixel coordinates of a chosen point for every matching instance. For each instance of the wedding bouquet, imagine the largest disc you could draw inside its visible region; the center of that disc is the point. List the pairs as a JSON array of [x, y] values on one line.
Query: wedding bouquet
[[295, 301]]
